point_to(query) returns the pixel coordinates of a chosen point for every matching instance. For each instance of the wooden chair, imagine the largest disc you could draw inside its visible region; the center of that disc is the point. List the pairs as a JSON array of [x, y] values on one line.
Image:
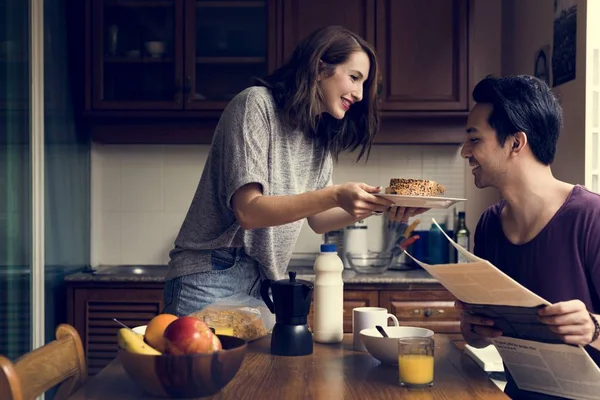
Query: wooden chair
[[60, 362]]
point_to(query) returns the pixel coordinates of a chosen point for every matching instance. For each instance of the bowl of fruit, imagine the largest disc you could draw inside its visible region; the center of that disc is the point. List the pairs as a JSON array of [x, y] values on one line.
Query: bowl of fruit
[[179, 357]]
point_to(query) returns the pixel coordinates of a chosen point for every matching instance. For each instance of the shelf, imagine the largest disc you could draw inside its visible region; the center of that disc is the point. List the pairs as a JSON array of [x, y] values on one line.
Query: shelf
[[132, 60], [139, 4], [230, 4], [231, 60]]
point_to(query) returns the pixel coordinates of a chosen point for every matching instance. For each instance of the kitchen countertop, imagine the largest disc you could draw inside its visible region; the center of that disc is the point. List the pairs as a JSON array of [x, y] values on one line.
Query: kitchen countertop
[[157, 273]]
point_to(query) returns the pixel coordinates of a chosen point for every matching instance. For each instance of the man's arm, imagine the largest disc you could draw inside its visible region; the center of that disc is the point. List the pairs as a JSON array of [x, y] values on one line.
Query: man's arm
[[475, 329], [337, 218], [571, 320]]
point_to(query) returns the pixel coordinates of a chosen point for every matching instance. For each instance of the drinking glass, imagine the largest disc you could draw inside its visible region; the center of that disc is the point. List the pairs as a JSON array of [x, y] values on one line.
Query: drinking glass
[[415, 362]]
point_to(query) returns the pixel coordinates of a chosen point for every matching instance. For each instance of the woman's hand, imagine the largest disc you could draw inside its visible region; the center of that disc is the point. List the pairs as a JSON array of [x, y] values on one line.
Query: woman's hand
[[570, 320], [476, 329], [357, 199]]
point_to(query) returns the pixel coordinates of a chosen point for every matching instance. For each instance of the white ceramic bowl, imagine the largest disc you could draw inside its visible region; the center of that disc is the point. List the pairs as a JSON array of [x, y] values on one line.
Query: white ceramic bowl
[[386, 349], [155, 49], [140, 329]]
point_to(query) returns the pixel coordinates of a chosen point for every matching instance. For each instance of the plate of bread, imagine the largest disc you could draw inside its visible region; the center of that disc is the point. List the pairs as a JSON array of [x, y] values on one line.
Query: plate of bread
[[422, 193]]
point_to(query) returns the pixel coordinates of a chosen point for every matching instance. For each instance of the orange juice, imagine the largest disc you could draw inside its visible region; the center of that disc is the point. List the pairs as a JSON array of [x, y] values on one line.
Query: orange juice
[[415, 369]]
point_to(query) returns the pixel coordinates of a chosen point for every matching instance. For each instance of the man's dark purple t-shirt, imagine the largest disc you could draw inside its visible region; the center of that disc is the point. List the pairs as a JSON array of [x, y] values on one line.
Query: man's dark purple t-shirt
[[561, 263]]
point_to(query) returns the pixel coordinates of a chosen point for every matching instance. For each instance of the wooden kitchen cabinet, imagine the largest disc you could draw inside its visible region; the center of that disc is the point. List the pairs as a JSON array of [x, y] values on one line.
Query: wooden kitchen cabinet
[[352, 299], [300, 18], [213, 49], [425, 306], [137, 54], [175, 55], [422, 47], [92, 307]]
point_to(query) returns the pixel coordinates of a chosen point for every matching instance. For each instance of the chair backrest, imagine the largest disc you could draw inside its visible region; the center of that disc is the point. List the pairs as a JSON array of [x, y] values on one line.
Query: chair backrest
[[60, 362]]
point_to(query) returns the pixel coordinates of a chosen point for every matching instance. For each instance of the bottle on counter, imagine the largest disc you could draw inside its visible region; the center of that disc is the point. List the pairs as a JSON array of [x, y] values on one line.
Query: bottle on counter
[[451, 223], [437, 245], [328, 321], [462, 236]]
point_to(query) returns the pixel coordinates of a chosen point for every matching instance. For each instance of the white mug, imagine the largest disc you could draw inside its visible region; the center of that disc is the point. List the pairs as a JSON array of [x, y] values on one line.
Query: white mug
[[368, 317]]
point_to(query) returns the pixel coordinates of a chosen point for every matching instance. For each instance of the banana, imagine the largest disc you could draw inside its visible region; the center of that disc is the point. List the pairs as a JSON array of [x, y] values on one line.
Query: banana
[[133, 342]]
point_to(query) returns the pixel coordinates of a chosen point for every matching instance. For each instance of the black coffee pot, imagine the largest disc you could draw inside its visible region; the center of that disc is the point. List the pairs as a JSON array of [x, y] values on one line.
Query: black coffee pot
[[291, 305]]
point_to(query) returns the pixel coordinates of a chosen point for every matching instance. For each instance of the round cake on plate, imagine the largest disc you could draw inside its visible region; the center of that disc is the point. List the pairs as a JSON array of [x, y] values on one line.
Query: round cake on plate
[[414, 187]]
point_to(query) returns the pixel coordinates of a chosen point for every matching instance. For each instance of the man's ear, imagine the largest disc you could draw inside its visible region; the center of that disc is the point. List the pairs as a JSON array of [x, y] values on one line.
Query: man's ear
[[519, 140]]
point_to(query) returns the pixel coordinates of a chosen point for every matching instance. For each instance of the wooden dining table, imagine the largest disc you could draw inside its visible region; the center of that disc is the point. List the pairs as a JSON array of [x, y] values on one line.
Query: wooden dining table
[[331, 372]]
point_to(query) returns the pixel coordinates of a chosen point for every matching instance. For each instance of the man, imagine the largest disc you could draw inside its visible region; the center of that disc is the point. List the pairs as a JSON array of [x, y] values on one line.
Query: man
[[545, 234]]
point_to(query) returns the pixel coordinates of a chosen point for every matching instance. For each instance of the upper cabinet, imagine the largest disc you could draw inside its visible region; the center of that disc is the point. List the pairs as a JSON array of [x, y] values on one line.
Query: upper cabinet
[[137, 56], [226, 46], [177, 54], [181, 61], [422, 47], [302, 17]]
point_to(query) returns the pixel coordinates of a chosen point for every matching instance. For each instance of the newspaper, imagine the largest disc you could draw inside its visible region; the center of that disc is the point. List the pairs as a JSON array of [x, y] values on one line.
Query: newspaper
[[537, 359]]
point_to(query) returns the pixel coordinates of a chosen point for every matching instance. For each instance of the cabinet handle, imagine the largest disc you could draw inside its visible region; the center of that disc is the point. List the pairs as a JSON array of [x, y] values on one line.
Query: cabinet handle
[[178, 91], [188, 88], [428, 312]]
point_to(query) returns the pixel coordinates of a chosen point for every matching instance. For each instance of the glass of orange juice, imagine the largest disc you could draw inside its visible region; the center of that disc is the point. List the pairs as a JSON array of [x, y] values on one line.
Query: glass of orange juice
[[415, 362]]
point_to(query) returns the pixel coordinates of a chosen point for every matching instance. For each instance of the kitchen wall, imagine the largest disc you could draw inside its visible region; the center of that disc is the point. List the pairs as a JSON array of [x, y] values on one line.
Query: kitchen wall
[[531, 27], [140, 194], [485, 55]]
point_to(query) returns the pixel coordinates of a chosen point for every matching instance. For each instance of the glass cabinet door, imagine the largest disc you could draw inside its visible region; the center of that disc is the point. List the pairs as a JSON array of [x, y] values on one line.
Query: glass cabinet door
[[138, 54], [226, 46], [16, 331]]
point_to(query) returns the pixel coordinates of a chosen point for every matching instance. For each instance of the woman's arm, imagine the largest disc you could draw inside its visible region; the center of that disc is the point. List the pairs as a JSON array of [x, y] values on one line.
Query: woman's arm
[[253, 210], [331, 220]]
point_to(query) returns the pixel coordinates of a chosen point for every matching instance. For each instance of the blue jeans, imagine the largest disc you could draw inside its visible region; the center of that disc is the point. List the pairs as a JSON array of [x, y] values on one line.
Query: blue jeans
[[233, 272]]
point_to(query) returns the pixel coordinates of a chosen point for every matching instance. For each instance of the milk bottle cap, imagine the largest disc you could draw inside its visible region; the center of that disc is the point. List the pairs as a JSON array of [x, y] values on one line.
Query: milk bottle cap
[[328, 248]]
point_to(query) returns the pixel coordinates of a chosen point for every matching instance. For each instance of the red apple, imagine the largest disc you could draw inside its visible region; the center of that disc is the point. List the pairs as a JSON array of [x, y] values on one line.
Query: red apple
[[190, 335]]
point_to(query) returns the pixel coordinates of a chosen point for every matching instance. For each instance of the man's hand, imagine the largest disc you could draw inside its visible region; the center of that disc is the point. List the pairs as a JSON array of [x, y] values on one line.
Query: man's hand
[[476, 329], [570, 320], [395, 213]]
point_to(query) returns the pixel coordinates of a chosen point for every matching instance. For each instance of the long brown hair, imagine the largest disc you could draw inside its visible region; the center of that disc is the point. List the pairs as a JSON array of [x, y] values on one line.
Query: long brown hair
[[295, 90]]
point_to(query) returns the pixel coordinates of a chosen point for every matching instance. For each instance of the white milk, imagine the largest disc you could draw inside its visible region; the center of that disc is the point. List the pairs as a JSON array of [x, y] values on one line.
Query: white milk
[[328, 321]]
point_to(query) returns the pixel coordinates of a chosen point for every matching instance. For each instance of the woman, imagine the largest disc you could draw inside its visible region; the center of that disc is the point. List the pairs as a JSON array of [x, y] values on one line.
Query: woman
[[270, 167]]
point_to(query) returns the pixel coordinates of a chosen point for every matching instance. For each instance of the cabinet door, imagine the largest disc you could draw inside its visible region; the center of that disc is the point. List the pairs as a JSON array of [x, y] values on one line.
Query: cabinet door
[[352, 299], [227, 44], [302, 17], [137, 54], [422, 47], [92, 312], [426, 307]]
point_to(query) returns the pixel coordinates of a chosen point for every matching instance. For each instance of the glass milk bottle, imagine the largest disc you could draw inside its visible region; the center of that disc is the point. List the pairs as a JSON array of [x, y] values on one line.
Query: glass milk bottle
[[328, 321]]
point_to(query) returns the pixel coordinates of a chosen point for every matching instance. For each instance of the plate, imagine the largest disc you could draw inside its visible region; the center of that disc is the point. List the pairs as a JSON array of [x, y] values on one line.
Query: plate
[[420, 201]]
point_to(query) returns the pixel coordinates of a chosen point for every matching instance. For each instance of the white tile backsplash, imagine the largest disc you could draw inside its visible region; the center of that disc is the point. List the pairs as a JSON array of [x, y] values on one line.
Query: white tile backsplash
[[140, 194]]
